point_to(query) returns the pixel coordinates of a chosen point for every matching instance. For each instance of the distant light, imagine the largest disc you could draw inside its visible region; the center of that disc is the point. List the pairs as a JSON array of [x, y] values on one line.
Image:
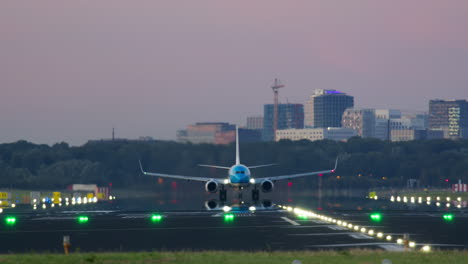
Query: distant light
[[44, 206], [388, 238], [290, 184], [363, 230], [371, 232], [399, 241], [13, 205], [252, 181], [226, 181], [226, 208], [156, 218], [322, 174], [412, 244], [83, 219], [379, 235], [252, 208]]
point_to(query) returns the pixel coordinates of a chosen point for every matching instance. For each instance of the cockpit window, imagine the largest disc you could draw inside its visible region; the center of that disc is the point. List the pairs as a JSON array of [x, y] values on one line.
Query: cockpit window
[[240, 172]]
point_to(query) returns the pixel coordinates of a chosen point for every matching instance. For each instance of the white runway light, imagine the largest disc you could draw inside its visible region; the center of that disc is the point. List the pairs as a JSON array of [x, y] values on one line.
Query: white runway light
[[426, 248]]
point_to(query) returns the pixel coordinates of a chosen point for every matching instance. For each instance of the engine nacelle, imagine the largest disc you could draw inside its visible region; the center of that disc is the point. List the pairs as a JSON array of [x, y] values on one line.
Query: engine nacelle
[[267, 186], [211, 186], [211, 205]]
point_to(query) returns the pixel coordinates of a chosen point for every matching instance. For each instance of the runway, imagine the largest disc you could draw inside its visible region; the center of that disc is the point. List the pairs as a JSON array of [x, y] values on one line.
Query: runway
[[277, 229]]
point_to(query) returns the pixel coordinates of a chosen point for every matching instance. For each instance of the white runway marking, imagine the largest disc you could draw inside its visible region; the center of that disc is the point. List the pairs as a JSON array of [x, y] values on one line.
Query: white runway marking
[[322, 234], [353, 245], [290, 221], [361, 236], [337, 228], [397, 248]]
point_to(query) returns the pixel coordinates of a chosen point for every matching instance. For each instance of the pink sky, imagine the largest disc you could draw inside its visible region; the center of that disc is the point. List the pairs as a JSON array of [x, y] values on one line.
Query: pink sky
[[70, 70]]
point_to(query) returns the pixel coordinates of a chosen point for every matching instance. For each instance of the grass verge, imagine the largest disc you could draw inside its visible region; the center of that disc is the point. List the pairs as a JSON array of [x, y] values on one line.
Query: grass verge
[[328, 257]]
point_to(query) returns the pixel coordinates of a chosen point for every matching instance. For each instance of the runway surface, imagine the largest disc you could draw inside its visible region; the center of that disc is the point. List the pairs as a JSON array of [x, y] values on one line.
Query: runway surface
[[276, 229]]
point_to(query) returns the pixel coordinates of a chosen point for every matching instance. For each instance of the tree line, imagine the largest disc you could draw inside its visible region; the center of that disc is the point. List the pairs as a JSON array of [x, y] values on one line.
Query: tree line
[[363, 163]]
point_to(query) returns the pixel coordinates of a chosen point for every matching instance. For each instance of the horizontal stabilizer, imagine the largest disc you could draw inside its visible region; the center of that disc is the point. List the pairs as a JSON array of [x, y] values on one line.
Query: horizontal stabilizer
[[260, 166], [213, 166]]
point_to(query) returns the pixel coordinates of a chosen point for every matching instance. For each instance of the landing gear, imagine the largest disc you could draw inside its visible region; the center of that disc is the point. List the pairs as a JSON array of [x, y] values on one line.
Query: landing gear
[[255, 195], [222, 195]]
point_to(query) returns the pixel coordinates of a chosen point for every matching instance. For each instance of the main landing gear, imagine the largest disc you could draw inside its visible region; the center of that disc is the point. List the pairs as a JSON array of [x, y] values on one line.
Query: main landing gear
[[255, 195], [222, 195]]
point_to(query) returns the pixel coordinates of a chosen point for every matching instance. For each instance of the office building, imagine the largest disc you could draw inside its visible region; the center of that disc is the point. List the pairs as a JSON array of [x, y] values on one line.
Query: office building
[[289, 116], [361, 120], [325, 108]]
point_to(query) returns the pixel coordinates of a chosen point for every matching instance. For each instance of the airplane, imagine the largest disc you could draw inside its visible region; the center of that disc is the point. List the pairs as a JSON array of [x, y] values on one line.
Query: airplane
[[239, 177]]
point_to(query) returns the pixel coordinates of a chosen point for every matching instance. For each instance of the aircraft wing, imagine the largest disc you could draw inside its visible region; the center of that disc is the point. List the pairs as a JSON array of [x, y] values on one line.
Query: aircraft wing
[[181, 177], [291, 176]]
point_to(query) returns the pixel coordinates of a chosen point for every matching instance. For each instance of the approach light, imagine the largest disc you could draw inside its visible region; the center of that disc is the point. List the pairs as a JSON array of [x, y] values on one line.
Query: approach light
[[10, 220], [82, 219], [448, 217], [155, 218], [376, 217]]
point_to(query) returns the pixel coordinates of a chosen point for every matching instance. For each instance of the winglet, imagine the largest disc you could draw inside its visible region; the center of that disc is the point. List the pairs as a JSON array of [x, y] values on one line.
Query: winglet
[[237, 146], [141, 167], [336, 165]]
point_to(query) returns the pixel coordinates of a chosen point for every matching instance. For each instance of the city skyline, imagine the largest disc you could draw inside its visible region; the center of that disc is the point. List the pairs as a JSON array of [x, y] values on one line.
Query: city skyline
[[72, 71]]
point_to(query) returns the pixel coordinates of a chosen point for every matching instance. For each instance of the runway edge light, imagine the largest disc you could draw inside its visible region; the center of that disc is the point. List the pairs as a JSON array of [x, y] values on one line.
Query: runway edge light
[[376, 217], [82, 219], [10, 220], [448, 217], [156, 218]]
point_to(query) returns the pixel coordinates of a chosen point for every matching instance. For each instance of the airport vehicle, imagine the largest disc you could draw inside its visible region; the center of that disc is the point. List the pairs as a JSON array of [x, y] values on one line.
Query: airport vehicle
[[239, 177]]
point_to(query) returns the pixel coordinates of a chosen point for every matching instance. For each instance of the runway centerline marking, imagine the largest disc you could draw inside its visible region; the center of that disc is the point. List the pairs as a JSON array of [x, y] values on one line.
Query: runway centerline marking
[[290, 221]]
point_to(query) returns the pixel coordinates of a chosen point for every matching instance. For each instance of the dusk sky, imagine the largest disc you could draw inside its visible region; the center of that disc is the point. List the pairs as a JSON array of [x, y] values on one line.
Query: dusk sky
[[72, 70]]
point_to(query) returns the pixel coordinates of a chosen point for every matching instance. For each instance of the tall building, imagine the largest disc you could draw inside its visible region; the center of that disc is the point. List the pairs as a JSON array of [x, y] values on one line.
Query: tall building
[[289, 116], [382, 122], [325, 108], [361, 120], [255, 122], [451, 117]]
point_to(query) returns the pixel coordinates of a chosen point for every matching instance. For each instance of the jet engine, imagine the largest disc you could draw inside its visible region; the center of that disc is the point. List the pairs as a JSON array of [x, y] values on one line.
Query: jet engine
[[267, 186], [211, 186], [211, 205]]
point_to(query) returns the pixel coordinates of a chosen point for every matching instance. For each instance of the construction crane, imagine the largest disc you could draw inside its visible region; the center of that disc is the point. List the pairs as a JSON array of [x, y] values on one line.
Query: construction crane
[[275, 88]]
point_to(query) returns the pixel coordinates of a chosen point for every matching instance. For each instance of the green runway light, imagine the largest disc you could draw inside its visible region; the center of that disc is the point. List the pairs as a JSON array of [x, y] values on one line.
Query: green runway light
[[302, 217], [156, 218], [448, 217], [228, 217], [10, 220], [83, 219], [376, 217]]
